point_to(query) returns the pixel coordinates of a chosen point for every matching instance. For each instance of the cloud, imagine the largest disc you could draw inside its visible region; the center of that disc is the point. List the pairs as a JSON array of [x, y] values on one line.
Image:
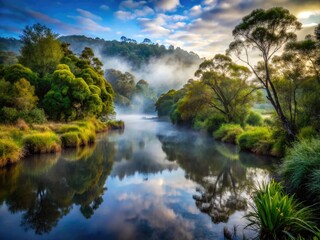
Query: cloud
[[154, 26], [89, 25], [130, 4], [166, 5], [129, 15], [104, 7], [196, 10], [88, 14]]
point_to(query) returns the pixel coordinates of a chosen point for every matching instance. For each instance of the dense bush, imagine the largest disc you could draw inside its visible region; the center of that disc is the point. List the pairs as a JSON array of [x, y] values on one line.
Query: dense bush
[[254, 119], [70, 139], [228, 132], [279, 216], [42, 142], [10, 152], [307, 133], [256, 139], [301, 169]]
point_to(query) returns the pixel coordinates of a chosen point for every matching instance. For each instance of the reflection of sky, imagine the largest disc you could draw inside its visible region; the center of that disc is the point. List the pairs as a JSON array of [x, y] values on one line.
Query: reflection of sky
[[147, 196]]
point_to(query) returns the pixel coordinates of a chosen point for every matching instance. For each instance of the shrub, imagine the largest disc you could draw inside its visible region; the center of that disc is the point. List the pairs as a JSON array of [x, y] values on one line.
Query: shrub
[[87, 137], [256, 139], [277, 215], [228, 132], [42, 142], [116, 124], [8, 114], [70, 139], [307, 133], [254, 119], [301, 169], [36, 115], [10, 152]]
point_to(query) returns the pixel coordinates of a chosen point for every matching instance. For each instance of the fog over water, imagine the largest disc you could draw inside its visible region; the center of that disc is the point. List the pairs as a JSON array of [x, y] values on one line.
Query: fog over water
[[151, 181]]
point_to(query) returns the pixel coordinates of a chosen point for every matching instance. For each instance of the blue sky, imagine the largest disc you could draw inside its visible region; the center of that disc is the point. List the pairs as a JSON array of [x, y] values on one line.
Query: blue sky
[[202, 26]]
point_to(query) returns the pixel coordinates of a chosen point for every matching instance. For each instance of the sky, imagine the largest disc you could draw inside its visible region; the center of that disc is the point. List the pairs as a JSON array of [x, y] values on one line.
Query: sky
[[202, 26]]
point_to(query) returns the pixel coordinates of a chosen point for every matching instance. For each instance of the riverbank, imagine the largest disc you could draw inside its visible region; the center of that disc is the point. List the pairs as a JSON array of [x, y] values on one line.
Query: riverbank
[[21, 139]]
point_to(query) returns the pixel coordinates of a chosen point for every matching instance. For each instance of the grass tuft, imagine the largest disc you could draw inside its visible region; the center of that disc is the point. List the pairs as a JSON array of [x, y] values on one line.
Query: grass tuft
[[10, 152], [301, 168], [278, 215], [45, 142]]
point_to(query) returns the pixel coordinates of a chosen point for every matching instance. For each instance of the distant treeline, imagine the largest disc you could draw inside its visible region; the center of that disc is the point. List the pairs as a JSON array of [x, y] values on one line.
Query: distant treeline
[[134, 53]]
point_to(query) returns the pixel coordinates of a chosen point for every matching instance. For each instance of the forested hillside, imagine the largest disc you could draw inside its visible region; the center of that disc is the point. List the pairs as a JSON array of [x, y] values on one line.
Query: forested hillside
[[134, 53]]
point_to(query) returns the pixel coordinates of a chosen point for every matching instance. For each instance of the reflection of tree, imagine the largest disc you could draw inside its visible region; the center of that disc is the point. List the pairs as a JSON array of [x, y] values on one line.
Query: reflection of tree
[[45, 197], [225, 183]]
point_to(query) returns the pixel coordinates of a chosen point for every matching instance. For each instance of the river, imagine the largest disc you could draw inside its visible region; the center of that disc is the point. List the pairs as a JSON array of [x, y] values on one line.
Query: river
[[151, 181]]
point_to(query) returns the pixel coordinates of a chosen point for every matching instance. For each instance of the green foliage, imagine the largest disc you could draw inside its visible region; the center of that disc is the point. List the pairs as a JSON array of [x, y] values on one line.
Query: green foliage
[[228, 132], [16, 72], [41, 51], [10, 152], [278, 215], [45, 142], [307, 133], [256, 139], [165, 103], [254, 119], [70, 98], [301, 168], [18, 100], [9, 114]]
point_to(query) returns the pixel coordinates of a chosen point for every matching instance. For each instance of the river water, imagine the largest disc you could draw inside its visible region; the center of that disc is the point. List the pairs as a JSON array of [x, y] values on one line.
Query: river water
[[151, 181]]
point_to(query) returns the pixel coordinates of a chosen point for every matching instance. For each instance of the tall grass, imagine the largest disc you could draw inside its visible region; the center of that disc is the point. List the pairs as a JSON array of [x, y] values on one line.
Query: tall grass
[[277, 215], [45, 142], [10, 152], [301, 169]]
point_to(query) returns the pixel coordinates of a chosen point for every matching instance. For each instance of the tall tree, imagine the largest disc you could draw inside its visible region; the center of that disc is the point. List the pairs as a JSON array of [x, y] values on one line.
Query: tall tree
[[266, 31], [228, 87], [41, 50]]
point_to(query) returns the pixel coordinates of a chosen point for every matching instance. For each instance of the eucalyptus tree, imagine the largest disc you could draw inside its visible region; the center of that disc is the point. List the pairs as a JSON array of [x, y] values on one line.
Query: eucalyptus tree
[[266, 31]]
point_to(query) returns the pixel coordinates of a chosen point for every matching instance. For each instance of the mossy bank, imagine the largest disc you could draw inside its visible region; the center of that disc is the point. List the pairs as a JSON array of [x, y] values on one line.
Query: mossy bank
[[17, 141]]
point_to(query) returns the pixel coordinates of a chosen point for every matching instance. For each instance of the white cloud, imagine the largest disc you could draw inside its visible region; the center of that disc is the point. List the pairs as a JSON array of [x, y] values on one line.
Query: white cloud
[[307, 25], [90, 25], [130, 4], [88, 14], [104, 7], [129, 15], [166, 5], [155, 27], [195, 10], [308, 14]]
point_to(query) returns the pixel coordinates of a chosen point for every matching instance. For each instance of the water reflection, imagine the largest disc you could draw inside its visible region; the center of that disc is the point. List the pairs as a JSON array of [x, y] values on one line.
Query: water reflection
[[153, 181], [45, 189], [225, 183]]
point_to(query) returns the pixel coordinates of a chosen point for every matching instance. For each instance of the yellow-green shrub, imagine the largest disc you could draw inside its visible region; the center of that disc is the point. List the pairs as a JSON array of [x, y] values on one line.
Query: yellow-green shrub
[[42, 142], [10, 152], [228, 132], [70, 139], [256, 139]]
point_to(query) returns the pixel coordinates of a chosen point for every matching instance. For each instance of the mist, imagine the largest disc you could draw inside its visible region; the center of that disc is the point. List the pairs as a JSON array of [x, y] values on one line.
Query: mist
[[162, 73]]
